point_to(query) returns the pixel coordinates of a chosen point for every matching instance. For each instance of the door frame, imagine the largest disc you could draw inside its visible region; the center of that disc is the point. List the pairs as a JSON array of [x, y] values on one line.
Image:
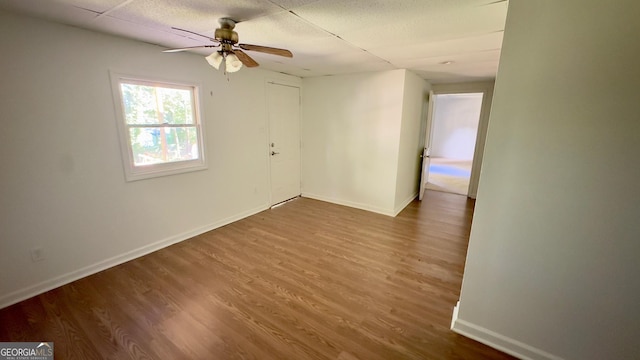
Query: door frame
[[295, 84], [426, 146], [486, 88]]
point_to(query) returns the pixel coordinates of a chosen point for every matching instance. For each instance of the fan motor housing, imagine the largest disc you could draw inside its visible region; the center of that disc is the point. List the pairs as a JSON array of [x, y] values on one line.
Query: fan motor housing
[[226, 35]]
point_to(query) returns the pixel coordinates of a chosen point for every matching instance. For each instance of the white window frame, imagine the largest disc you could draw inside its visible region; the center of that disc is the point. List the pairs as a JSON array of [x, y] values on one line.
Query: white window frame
[[138, 172]]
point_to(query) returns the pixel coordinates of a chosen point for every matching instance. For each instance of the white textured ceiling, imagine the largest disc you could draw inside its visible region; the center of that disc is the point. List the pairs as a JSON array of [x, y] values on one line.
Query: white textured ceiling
[[327, 37]]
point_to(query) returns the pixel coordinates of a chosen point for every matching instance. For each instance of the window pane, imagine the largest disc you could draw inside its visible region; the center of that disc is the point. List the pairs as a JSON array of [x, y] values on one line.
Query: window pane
[[153, 145], [176, 106], [139, 104], [146, 104]]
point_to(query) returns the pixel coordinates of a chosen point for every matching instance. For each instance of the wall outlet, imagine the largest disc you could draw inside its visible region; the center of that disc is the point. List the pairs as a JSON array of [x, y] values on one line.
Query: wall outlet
[[37, 254]]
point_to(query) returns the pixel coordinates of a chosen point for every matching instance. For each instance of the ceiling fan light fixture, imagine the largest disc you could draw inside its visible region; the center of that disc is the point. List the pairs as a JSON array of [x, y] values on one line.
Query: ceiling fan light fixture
[[215, 59], [229, 50], [232, 63]]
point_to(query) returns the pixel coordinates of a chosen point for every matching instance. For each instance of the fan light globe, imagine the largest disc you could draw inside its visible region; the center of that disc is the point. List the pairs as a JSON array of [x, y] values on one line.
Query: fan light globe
[[232, 63], [215, 60]]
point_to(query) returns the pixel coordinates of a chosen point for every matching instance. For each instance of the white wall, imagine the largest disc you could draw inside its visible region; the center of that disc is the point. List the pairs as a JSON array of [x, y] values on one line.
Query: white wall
[[361, 139], [455, 125], [411, 140], [62, 182], [552, 266], [350, 132]]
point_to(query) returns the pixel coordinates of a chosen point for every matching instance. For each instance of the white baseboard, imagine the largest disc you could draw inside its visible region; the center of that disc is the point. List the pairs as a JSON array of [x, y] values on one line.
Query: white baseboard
[[454, 318], [498, 341], [388, 212], [44, 286], [404, 204]]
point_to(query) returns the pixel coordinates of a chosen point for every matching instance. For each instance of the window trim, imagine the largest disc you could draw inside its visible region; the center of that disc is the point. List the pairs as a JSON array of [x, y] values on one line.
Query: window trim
[[133, 172]]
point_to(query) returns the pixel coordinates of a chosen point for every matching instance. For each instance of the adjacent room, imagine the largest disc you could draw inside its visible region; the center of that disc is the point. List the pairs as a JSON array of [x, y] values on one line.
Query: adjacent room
[[453, 141], [246, 179]]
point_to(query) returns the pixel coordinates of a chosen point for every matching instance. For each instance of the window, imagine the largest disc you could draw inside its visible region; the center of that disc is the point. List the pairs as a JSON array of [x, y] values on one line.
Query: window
[[159, 125]]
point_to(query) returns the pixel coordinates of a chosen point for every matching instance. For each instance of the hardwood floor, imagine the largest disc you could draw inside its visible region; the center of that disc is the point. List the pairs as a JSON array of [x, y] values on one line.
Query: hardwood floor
[[306, 280]]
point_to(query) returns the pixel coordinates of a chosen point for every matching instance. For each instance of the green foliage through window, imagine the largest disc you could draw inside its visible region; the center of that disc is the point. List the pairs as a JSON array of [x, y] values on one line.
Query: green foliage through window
[[161, 122]]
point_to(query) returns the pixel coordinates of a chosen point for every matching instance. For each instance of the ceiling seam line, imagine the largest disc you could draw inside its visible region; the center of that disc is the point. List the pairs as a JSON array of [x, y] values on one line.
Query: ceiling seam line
[[278, 5], [108, 11], [85, 9], [338, 37], [460, 53]]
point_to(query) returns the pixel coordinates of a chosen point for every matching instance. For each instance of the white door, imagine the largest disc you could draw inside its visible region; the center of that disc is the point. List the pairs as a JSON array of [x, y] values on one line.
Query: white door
[[426, 152], [284, 141]]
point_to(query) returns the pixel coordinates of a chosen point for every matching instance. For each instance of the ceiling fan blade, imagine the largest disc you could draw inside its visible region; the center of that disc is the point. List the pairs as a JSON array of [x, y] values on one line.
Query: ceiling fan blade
[[266, 49], [244, 58], [189, 48]]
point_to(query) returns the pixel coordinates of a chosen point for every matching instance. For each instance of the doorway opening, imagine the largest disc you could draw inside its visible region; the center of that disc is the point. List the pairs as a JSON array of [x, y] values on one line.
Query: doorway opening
[[453, 141]]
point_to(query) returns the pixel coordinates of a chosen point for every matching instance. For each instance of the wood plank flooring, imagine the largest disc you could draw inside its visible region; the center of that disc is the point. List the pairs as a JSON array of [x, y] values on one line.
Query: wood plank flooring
[[307, 280]]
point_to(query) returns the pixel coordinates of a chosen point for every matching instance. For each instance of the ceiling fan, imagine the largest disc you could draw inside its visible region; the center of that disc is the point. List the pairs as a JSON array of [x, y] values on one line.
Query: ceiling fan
[[230, 51]]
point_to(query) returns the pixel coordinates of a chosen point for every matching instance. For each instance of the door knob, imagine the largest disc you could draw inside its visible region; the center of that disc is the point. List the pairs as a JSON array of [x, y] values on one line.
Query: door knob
[[274, 153]]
